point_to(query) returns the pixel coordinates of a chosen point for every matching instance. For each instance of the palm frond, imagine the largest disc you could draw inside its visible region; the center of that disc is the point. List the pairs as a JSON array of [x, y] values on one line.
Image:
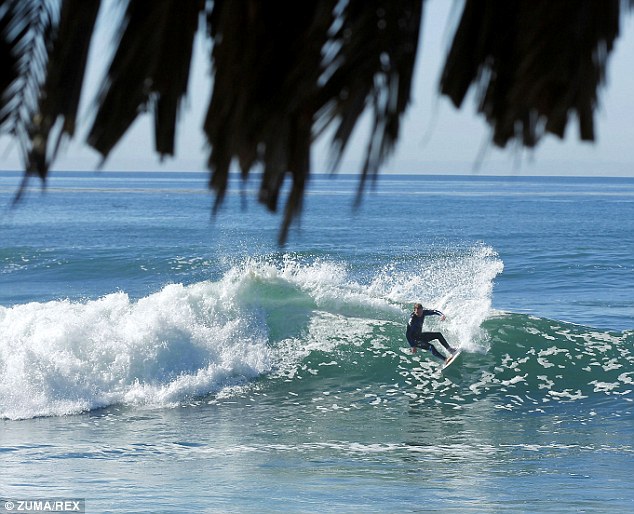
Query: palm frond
[[61, 92], [301, 65], [8, 60], [150, 70], [285, 71], [373, 63], [267, 59], [26, 34], [535, 63]]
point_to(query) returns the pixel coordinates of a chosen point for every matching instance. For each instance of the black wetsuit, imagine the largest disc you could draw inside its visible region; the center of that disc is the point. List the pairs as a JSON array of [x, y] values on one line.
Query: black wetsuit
[[419, 339]]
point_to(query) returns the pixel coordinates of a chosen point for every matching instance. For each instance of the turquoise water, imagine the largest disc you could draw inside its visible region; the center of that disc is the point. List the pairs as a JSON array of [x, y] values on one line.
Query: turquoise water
[[157, 360]]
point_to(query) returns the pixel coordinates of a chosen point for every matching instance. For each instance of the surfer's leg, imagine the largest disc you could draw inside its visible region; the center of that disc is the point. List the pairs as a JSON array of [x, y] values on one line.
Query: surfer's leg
[[426, 345], [431, 336], [436, 353], [441, 338], [443, 341]]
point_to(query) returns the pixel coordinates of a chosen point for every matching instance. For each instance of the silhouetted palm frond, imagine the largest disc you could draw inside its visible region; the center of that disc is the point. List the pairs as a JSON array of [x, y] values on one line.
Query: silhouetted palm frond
[[267, 62], [535, 63], [61, 91], [373, 62], [26, 27], [149, 71], [284, 71], [8, 60]]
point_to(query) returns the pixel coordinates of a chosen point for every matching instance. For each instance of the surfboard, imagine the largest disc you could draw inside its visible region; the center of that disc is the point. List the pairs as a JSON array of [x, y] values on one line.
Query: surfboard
[[451, 359]]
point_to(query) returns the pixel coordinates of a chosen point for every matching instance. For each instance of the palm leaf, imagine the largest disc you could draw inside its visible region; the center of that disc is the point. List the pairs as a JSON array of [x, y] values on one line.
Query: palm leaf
[[288, 84], [150, 70], [26, 34], [535, 63], [267, 58], [374, 63], [285, 71], [8, 60], [61, 92]]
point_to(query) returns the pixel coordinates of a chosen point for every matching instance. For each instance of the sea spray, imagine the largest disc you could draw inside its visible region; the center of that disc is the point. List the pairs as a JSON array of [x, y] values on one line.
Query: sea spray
[[457, 282]]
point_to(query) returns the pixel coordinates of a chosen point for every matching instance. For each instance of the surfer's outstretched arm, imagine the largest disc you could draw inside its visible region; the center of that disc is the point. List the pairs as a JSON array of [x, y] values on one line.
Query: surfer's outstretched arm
[[434, 312]]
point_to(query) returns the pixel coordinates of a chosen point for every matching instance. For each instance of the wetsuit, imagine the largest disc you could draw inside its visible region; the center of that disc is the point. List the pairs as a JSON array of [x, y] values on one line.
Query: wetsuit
[[419, 339]]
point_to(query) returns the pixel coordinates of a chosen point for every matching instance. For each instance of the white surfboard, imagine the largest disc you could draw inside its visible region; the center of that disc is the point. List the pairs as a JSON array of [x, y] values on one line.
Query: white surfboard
[[449, 361]]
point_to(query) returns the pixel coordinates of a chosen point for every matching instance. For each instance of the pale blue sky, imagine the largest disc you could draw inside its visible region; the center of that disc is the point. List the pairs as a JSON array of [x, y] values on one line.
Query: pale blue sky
[[436, 138]]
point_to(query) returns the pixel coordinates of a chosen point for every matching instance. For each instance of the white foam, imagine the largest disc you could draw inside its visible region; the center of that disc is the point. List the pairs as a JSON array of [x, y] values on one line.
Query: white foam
[[65, 357]]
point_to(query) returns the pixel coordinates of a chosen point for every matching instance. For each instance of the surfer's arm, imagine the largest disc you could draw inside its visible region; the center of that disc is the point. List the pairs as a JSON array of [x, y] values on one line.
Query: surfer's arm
[[414, 328], [410, 335], [434, 312]]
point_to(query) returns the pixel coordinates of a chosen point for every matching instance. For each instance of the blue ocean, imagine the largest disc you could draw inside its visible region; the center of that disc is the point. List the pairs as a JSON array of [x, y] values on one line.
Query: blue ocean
[[155, 358]]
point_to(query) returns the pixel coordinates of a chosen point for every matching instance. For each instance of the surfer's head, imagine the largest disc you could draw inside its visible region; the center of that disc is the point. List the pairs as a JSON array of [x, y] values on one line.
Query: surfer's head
[[418, 307]]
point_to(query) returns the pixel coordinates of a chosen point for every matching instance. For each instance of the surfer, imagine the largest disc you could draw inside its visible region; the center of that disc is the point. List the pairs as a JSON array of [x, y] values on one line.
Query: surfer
[[419, 339]]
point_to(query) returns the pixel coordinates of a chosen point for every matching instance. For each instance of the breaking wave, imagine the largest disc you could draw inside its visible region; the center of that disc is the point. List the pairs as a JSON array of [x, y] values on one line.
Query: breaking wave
[[285, 323]]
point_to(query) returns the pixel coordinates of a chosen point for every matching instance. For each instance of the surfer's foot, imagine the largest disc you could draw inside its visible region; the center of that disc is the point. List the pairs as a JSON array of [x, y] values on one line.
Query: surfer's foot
[[453, 350]]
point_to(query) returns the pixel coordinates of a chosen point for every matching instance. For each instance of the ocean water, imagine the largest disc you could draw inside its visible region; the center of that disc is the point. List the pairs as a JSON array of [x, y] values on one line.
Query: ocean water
[[155, 359]]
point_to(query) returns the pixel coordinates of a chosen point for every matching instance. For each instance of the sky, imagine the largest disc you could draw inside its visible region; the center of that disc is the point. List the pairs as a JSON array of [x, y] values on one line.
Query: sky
[[435, 137]]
